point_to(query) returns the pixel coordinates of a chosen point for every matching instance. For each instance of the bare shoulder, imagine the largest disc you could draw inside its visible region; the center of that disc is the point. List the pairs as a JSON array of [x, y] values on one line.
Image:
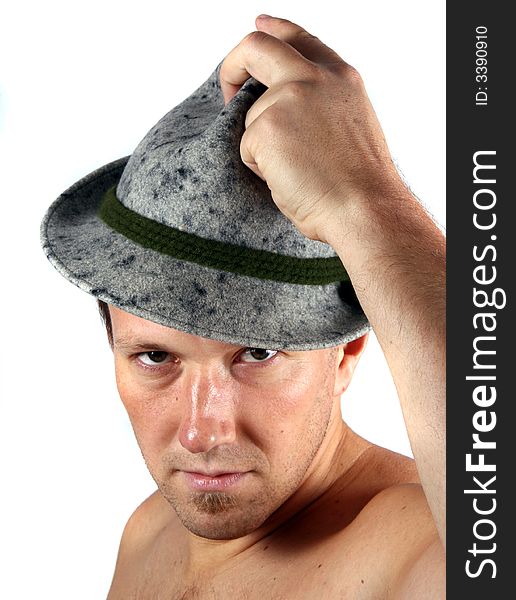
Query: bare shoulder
[[418, 560], [398, 521], [389, 468], [146, 521], [142, 529], [391, 495]]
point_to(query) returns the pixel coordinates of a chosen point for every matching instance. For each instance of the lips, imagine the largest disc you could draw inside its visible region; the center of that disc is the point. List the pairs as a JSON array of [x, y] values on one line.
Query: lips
[[215, 473], [214, 481]]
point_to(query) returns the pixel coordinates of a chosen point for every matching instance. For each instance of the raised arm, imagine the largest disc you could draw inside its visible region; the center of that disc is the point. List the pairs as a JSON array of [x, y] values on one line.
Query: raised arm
[[314, 138]]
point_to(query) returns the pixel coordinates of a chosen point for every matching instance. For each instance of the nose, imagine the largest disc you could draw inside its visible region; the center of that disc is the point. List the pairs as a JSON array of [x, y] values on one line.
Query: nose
[[208, 418]]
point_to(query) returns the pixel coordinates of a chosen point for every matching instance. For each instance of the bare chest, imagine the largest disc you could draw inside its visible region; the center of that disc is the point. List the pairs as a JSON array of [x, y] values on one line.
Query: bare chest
[[276, 575]]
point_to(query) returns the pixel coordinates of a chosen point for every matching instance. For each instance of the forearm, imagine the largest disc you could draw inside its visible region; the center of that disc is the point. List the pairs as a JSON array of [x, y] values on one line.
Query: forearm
[[395, 256]]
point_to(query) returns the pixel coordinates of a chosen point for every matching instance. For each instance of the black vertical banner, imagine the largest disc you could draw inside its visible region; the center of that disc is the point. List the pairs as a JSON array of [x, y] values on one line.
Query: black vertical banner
[[481, 329]]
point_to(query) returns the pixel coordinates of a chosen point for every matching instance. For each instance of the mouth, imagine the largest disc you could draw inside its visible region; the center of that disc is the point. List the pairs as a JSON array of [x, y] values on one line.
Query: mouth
[[217, 480]]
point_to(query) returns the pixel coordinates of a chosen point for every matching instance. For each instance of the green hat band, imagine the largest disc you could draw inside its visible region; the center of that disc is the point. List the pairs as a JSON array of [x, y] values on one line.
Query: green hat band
[[217, 255]]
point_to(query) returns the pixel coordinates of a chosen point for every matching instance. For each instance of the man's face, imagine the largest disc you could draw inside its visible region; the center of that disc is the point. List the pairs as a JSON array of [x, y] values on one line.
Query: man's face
[[202, 408]]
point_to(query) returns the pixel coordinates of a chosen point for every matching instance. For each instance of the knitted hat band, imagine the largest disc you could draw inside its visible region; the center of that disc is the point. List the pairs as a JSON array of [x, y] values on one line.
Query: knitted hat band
[[182, 245]]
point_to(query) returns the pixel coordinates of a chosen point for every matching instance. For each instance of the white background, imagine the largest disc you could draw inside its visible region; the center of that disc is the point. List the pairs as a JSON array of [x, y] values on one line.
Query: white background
[[80, 85]]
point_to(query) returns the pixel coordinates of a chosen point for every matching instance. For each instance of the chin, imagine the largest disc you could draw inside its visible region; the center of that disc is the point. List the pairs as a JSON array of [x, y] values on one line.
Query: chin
[[218, 516], [222, 531]]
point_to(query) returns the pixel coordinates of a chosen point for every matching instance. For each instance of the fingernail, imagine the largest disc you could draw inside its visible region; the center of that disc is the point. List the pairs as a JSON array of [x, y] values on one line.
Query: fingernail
[[264, 16]]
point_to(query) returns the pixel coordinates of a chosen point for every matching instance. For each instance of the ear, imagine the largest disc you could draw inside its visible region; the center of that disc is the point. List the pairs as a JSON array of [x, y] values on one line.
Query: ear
[[348, 356]]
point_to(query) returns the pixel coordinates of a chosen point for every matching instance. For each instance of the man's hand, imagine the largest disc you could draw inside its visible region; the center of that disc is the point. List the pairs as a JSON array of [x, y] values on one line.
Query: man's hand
[[313, 136]]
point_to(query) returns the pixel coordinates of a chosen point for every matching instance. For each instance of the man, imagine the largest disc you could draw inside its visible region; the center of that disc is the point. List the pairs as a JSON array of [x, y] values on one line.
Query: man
[[263, 490]]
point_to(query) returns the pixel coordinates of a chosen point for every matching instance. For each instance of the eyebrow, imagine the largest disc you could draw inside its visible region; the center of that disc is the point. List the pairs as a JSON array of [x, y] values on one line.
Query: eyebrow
[[126, 342]]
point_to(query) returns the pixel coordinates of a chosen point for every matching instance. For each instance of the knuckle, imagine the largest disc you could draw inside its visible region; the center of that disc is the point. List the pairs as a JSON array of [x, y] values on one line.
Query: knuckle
[[352, 74], [306, 35], [314, 72], [269, 125], [254, 37], [295, 90], [269, 119], [347, 73], [338, 67]]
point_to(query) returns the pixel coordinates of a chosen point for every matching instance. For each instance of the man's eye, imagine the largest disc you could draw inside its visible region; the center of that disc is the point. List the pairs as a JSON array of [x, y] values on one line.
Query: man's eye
[[257, 354], [153, 358]]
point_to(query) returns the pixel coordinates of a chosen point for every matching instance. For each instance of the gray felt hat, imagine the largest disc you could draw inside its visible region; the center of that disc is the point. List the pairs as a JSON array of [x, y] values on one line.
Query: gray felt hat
[[183, 234]]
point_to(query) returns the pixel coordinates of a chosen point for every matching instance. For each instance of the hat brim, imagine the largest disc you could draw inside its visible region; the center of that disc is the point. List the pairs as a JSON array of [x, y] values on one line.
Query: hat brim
[[195, 299]]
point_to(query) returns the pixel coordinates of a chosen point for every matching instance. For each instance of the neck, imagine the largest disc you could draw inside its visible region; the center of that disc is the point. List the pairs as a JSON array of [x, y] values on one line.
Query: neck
[[339, 451]]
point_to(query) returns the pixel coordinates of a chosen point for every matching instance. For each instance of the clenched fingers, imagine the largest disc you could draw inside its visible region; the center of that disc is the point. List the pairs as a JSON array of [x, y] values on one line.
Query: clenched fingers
[[304, 42], [264, 57], [278, 52]]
